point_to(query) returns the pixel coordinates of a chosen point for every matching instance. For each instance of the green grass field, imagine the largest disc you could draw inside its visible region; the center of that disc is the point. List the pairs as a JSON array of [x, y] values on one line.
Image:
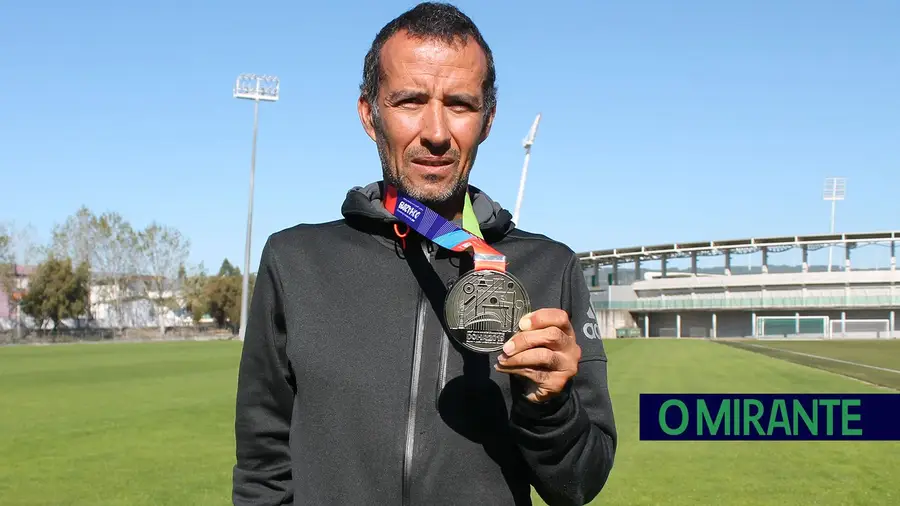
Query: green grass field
[[151, 424], [870, 361]]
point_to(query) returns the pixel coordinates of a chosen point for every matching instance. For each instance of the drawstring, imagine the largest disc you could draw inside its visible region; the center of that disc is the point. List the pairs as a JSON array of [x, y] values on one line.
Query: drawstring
[[403, 235]]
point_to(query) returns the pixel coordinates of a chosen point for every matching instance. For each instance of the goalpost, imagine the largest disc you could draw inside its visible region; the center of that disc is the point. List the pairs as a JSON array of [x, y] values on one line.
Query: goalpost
[[821, 327], [866, 328], [792, 326]]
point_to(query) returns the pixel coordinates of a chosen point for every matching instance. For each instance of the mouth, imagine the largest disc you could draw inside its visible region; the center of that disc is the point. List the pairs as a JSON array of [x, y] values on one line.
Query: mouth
[[434, 162]]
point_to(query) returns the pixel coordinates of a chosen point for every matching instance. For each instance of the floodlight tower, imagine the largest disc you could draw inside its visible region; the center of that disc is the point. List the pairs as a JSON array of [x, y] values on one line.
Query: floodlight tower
[[527, 143], [256, 88], [835, 189]]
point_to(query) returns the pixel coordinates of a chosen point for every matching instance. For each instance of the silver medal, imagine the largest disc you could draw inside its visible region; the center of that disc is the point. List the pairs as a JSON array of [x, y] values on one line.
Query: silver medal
[[483, 309]]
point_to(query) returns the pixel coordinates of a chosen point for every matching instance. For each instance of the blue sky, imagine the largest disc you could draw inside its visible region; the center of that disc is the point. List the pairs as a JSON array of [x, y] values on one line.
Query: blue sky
[[662, 121]]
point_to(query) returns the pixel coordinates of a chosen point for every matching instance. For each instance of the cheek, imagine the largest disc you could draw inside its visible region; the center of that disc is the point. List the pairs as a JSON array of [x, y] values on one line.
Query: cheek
[[466, 132], [400, 132]]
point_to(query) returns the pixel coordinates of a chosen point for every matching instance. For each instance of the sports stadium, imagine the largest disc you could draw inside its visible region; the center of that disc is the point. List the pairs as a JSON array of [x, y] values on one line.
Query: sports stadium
[[768, 300], [150, 424]]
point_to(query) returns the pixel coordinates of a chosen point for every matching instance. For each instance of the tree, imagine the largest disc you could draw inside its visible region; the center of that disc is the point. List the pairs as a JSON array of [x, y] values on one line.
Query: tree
[[162, 253], [5, 241], [223, 295], [7, 266], [227, 269], [194, 293], [114, 258], [27, 249], [57, 292], [75, 239], [16, 248]]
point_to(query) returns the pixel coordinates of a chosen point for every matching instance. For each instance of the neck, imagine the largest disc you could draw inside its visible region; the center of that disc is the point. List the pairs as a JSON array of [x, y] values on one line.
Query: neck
[[452, 209]]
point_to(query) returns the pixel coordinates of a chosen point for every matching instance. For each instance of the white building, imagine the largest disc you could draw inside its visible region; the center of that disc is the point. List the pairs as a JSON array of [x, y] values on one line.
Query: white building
[[842, 303], [132, 306]]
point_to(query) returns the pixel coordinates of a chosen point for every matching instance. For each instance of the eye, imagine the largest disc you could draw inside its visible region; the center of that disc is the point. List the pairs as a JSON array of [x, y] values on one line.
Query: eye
[[460, 106], [411, 102]]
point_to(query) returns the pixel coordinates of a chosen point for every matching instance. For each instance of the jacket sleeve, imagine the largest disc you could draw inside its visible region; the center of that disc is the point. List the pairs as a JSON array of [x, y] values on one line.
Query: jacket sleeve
[[570, 440], [265, 396]]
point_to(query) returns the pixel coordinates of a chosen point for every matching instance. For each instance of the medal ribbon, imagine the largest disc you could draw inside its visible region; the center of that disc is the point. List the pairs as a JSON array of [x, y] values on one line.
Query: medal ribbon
[[445, 234]]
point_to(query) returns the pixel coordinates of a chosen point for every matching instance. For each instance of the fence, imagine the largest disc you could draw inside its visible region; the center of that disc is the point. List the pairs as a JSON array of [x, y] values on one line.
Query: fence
[[748, 303], [34, 336]]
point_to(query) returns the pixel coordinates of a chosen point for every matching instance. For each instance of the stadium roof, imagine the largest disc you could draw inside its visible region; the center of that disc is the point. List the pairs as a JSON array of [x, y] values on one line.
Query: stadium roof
[[739, 246]]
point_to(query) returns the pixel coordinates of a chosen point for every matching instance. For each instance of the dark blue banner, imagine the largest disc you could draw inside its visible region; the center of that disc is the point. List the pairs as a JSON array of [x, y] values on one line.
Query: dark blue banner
[[769, 417]]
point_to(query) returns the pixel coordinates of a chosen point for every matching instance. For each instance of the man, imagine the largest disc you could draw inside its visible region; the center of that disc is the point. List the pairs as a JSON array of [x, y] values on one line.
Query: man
[[350, 390]]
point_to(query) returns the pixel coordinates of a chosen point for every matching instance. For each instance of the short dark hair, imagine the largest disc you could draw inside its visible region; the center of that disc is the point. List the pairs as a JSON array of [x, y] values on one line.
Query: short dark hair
[[428, 20]]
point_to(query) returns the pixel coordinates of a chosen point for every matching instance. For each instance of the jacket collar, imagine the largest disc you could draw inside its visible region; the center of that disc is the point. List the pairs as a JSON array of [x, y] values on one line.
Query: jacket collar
[[363, 208]]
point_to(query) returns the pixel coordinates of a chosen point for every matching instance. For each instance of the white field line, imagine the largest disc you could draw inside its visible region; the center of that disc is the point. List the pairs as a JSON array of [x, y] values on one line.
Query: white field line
[[867, 366]]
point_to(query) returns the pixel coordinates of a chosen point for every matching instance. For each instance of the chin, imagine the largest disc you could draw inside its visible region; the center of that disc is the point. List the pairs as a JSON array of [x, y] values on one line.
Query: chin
[[432, 192]]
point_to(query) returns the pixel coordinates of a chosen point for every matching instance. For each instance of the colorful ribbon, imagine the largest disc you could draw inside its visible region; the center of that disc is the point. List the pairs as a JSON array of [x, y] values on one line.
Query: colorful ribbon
[[445, 234]]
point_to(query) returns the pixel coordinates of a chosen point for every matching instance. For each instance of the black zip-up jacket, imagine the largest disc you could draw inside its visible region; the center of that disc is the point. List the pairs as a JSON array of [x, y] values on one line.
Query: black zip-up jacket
[[350, 392]]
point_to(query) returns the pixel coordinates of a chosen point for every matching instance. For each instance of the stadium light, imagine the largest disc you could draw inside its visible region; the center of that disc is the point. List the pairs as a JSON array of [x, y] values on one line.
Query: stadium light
[[527, 143], [835, 189], [256, 88]]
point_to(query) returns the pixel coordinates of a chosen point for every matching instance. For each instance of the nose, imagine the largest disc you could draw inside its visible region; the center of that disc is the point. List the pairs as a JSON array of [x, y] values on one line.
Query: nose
[[435, 132]]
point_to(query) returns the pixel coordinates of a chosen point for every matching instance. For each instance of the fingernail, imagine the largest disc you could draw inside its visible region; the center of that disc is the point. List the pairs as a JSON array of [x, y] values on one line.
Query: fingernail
[[509, 347], [525, 323]]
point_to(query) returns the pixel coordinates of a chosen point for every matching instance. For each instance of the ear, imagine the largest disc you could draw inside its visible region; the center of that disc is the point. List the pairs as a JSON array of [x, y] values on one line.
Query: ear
[[365, 116], [487, 125]]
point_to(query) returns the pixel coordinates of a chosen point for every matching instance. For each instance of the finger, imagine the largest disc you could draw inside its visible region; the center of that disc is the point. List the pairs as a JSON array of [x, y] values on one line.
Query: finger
[[542, 358], [545, 318], [538, 376], [552, 338]]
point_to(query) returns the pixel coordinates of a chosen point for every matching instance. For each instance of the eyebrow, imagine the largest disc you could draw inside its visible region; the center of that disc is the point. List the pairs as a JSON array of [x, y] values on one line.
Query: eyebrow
[[401, 95], [466, 98]]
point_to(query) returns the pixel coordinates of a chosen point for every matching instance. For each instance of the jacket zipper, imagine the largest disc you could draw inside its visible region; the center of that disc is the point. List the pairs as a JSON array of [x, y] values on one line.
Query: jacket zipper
[[442, 374], [421, 307]]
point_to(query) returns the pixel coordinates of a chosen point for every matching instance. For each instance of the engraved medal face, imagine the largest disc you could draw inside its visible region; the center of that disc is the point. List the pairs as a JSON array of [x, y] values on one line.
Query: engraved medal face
[[483, 309]]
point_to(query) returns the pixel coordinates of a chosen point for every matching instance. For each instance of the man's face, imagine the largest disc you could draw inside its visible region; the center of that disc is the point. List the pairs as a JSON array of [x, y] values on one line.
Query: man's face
[[430, 117]]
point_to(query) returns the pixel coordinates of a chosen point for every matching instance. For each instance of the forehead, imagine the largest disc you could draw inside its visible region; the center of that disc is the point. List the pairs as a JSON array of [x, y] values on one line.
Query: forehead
[[409, 60]]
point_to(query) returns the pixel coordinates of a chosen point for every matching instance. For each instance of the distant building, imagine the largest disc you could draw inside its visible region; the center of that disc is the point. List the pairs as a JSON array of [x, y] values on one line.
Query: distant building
[[128, 306], [802, 302], [132, 305]]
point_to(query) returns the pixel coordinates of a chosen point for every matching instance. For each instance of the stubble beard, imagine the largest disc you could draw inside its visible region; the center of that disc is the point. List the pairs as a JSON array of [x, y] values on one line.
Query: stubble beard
[[393, 176]]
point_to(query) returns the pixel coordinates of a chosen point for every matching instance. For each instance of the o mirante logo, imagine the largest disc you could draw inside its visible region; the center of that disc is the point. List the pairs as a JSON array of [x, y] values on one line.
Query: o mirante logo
[[719, 417]]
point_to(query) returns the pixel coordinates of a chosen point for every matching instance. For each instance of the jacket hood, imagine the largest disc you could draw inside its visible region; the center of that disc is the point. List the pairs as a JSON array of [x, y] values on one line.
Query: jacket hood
[[364, 207]]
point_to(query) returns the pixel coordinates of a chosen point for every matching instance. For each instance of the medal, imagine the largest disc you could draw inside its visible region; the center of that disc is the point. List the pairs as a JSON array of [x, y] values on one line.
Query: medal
[[483, 308]]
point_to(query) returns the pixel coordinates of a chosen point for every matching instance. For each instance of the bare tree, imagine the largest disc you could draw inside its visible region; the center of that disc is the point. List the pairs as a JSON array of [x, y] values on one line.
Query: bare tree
[[74, 238], [163, 252], [115, 258], [6, 242], [7, 265], [21, 246], [27, 250], [18, 249]]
